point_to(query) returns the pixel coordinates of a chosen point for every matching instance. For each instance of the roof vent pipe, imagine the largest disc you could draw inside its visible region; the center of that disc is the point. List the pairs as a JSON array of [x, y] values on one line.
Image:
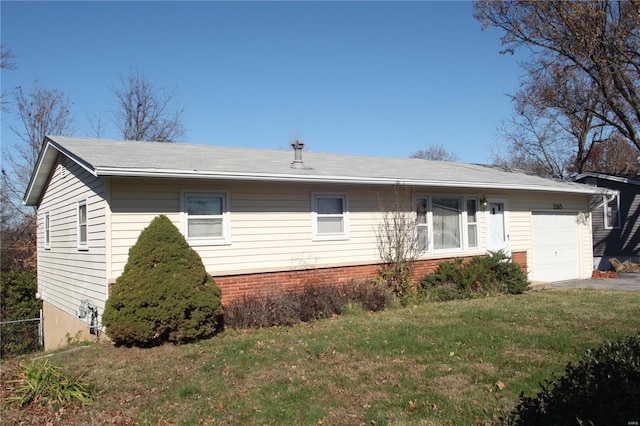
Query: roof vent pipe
[[297, 150]]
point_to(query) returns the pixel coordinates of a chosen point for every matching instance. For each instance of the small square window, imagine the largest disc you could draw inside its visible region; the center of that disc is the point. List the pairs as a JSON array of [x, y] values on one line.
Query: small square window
[[330, 216], [206, 218]]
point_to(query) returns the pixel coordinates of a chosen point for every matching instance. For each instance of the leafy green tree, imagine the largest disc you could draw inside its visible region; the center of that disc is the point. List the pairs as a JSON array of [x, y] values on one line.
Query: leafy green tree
[[164, 293]]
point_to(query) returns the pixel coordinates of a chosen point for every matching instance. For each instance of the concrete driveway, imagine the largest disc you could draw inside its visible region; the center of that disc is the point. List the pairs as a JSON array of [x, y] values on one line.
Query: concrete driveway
[[626, 281]]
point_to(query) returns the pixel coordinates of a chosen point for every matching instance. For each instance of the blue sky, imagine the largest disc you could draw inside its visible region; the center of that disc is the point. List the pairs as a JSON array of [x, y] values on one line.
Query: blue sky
[[365, 78]]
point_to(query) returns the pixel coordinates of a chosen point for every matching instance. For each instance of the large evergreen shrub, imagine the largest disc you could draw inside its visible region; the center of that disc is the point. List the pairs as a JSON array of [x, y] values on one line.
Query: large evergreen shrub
[[494, 273], [164, 293]]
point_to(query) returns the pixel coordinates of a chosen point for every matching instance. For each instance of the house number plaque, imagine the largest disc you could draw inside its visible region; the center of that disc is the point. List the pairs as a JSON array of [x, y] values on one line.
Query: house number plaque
[[557, 206]]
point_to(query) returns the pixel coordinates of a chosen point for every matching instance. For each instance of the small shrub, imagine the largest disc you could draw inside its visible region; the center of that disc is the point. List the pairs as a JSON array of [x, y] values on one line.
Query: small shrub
[[317, 301], [43, 383], [164, 293], [602, 389]]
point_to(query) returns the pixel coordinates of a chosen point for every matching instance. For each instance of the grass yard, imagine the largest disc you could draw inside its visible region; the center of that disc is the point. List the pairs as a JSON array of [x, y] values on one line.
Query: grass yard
[[461, 362]]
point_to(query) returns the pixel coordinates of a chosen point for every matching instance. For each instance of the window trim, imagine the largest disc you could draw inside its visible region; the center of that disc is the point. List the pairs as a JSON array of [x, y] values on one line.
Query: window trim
[[225, 238], [335, 236], [462, 222], [82, 245], [606, 210], [46, 238]]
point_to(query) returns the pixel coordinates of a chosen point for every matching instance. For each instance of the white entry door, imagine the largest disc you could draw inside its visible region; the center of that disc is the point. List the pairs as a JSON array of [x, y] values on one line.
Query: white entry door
[[498, 225], [556, 246]]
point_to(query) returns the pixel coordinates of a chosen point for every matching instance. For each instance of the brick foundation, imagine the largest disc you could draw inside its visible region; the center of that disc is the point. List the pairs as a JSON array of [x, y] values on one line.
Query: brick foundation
[[234, 286]]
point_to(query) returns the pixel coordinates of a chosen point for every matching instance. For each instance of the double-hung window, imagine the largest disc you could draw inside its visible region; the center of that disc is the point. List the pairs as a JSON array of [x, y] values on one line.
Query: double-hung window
[[81, 224], [330, 217], [472, 223], [47, 230], [206, 218], [446, 223], [611, 212]]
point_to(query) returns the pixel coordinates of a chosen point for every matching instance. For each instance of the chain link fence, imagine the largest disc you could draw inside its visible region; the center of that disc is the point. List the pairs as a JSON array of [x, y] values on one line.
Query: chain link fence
[[18, 337]]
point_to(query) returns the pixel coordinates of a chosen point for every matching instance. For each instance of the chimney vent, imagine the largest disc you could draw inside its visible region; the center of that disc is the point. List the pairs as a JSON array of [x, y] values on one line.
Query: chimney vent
[[297, 150]]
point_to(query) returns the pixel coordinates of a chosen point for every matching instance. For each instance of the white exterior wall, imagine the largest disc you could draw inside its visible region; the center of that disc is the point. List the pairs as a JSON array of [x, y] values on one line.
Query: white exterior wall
[[67, 275], [522, 205], [272, 229], [271, 224]]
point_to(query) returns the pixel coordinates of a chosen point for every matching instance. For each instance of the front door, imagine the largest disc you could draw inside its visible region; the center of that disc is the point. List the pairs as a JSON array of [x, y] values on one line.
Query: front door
[[497, 226]]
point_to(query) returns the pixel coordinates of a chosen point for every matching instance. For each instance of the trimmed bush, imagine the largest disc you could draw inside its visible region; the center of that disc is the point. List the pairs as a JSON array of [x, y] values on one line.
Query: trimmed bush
[[481, 275], [164, 293], [603, 389], [285, 307]]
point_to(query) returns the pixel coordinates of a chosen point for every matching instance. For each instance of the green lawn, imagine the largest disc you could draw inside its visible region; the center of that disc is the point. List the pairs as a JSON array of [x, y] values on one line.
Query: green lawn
[[461, 362]]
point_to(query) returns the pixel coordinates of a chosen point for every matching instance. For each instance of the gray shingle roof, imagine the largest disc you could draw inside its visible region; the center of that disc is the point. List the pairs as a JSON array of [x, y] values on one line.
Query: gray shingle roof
[[104, 157]]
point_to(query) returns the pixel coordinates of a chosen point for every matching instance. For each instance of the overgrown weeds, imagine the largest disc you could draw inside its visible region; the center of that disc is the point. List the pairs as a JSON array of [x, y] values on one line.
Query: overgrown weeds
[[43, 382], [314, 301]]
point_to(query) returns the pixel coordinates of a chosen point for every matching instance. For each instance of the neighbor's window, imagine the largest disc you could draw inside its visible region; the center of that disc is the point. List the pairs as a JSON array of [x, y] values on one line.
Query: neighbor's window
[[206, 218], [611, 212], [446, 223], [82, 224], [330, 216], [47, 230]]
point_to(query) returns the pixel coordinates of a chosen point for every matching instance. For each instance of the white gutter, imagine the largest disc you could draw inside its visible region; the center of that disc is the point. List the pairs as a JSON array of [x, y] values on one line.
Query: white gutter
[[106, 171]]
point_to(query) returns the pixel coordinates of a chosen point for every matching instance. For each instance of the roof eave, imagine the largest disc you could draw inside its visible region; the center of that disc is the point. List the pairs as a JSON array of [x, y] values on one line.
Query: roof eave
[[44, 166], [608, 177], [298, 178]]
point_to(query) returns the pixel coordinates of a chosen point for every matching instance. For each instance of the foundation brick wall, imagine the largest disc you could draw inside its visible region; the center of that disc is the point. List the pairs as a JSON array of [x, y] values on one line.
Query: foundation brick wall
[[234, 286]]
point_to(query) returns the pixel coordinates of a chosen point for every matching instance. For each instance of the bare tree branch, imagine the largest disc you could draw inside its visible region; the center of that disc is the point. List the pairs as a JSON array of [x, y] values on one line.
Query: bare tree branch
[[145, 112], [598, 41], [435, 152]]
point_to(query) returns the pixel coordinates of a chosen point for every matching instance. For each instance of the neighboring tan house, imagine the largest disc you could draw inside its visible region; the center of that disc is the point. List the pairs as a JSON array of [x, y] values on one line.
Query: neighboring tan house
[[615, 218], [267, 218]]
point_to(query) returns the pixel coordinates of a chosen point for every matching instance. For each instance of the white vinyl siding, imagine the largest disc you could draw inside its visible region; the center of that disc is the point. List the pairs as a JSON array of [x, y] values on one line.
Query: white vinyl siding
[[521, 206], [272, 225], [66, 276]]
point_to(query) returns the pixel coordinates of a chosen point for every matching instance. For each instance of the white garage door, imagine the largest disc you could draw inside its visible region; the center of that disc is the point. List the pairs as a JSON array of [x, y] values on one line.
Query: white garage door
[[556, 250]]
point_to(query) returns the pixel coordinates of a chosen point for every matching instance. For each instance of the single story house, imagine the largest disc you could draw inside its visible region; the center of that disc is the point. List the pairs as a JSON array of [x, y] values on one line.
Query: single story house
[[615, 218], [266, 218]]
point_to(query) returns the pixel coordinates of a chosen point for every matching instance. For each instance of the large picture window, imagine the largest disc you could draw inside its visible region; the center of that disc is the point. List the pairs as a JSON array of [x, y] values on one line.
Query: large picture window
[[612, 212], [446, 223], [206, 218], [330, 216]]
